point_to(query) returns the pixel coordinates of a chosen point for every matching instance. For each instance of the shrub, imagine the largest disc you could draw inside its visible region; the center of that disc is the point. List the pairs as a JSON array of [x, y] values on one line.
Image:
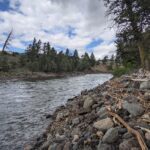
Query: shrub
[[120, 71]]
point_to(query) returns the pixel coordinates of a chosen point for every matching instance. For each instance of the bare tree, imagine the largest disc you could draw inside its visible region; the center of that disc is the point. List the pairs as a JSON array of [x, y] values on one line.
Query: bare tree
[[7, 41]]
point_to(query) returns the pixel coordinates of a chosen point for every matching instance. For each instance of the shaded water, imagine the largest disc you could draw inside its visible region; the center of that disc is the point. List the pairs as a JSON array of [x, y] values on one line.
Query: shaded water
[[24, 104]]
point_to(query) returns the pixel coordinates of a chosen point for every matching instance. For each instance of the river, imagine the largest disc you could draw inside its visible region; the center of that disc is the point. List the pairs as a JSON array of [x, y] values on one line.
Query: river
[[25, 104]]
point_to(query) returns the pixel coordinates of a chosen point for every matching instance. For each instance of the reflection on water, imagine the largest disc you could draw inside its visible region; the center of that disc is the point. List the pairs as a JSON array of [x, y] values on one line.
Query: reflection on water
[[24, 104]]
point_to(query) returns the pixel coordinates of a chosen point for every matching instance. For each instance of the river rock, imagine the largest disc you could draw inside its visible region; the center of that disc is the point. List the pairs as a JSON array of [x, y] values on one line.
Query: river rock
[[135, 109], [104, 147], [131, 99], [59, 138], [102, 113], [52, 147], [88, 102], [147, 136], [100, 134], [128, 144], [67, 146], [111, 135], [103, 124], [145, 85], [45, 145], [147, 96], [59, 116], [75, 121], [75, 138], [127, 135]]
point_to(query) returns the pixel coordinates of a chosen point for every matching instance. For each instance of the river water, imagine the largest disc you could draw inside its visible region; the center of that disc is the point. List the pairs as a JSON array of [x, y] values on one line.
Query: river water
[[24, 105]]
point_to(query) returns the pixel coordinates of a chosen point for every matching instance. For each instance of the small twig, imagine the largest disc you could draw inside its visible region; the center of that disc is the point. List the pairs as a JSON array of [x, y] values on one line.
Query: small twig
[[131, 130]]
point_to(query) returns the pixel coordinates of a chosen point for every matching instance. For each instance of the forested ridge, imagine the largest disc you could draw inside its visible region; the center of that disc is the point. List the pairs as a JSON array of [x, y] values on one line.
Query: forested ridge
[[41, 57]]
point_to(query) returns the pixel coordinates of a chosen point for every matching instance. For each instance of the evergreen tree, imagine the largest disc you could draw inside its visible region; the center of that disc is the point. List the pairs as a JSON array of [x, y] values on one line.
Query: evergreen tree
[[92, 59], [132, 18]]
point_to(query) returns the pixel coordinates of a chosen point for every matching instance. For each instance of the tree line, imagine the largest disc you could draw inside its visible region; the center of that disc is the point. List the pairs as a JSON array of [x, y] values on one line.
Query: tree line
[[132, 18], [44, 58]]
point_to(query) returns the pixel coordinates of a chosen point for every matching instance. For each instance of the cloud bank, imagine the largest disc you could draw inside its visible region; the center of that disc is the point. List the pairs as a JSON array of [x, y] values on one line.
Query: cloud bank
[[65, 23]]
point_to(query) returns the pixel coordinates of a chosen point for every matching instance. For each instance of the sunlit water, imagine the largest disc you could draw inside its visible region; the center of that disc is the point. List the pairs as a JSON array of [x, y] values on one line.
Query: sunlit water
[[24, 104]]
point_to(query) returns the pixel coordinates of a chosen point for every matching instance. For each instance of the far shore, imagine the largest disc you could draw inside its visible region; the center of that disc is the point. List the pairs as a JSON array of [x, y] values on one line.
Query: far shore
[[33, 76]]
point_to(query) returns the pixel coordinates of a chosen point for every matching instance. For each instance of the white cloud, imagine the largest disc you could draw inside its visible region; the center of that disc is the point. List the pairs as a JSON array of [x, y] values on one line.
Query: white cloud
[[31, 19]]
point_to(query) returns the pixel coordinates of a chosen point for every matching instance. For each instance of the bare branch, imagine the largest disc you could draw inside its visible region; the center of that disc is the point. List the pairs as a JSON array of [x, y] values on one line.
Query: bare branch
[[7, 41]]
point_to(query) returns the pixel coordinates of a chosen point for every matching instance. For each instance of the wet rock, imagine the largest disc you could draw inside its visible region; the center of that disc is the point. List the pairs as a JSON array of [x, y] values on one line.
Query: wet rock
[[103, 124], [135, 109], [111, 135], [75, 121], [145, 85], [104, 147], [88, 102], [48, 116]]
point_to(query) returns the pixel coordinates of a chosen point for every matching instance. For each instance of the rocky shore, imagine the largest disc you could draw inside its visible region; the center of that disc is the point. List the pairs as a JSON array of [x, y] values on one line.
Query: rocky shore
[[86, 123]]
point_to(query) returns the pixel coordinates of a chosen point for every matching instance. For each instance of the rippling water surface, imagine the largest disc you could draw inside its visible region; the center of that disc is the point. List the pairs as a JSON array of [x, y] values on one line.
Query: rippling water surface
[[24, 104]]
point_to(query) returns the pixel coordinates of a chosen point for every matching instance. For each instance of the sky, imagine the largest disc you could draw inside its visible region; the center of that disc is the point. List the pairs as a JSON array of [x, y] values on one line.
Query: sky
[[73, 24]]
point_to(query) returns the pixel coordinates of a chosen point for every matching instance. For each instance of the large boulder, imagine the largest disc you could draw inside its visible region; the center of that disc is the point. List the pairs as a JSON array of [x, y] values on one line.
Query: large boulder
[[103, 124], [134, 108], [111, 135], [145, 85]]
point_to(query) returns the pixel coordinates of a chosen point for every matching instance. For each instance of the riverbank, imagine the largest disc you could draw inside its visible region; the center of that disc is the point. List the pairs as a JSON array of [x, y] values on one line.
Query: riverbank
[[90, 120], [28, 75]]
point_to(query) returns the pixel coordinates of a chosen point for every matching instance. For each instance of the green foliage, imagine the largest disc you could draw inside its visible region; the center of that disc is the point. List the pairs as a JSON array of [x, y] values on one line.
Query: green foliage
[[120, 71], [133, 23], [4, 65]]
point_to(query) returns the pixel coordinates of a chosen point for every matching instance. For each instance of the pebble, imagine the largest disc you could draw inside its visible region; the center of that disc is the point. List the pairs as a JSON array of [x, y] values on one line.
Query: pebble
[[75, 138], [75, 121], [147, 136]]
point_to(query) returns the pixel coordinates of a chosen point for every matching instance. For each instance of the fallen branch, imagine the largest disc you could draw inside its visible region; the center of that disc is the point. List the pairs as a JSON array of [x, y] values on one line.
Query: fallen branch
[[131, 130]]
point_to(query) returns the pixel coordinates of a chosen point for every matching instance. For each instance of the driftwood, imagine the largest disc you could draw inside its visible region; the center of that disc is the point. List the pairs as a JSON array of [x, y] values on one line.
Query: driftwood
[[131, 130]]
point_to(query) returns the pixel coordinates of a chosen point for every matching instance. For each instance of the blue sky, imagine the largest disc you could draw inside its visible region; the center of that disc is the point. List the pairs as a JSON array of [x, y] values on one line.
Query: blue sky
[[79, 24]]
